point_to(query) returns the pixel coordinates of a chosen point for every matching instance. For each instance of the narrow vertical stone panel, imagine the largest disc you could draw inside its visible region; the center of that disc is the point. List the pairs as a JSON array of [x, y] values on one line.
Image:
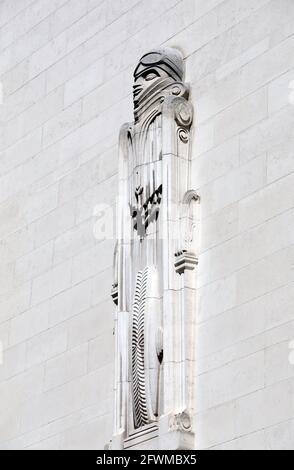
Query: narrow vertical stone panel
[[155, 248]]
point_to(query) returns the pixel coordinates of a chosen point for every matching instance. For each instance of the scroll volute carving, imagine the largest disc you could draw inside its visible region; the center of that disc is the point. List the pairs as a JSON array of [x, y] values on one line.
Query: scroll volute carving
[[154, 174]]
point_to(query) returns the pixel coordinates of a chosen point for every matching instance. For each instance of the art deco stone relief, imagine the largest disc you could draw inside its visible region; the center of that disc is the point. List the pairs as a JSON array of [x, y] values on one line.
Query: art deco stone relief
[[155, 262]]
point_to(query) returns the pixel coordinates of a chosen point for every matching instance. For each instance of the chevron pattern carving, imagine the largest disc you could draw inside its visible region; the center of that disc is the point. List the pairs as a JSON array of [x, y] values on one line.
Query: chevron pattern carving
[[138, 339]]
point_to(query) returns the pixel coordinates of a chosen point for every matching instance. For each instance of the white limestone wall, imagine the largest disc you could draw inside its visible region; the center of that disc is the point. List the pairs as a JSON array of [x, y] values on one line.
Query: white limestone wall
[[66, 76]]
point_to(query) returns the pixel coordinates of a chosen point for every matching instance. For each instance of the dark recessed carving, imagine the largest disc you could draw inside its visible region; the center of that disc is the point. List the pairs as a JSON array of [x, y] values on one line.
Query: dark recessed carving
[[146, 210]]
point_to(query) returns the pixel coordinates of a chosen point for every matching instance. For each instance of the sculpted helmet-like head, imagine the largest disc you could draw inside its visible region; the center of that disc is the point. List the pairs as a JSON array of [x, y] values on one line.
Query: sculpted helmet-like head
[[157, 67]]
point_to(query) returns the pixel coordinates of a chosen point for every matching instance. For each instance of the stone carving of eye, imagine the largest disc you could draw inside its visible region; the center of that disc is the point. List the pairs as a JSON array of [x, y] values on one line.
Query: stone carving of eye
[[150, 76]]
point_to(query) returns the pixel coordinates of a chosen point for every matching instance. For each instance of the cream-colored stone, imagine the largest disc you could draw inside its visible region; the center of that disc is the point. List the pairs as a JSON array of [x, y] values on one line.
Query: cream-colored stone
[[216, 297], [70, 302], [62, 124], [28, 147], [231, 381], [15, 302], [45, 345], [66, 367], [278, 363], [83, 83], [74, 240], [238, 183], [242, 115], [101, 351], [270, 201], [22, 387], [215, 425], [236, 325], [13, 361], [240, 350], [85, 436], [34, 263], [55, 223], [254, 441], [34, 116], [66, 75], [51, 283], [30, 323], [268, 133], [280, 161], [219, 227], [85, 264], [265, 275], [215, 163], [86, 326], [280, 437]]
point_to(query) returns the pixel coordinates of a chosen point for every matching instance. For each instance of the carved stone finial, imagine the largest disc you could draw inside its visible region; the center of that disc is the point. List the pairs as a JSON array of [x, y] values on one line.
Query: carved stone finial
[[166, 58], [155, 71]]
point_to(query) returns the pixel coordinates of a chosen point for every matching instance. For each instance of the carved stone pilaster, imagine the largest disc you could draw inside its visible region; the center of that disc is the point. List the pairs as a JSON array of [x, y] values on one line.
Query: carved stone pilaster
[[154, 261]]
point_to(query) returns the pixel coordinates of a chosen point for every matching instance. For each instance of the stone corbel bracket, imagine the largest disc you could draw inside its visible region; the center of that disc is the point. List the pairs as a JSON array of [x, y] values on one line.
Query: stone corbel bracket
[[185, 260], [114, 293]]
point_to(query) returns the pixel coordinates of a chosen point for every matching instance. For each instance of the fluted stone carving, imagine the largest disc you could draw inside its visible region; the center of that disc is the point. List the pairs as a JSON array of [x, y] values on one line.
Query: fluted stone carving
[[155, 259], [138, 349]]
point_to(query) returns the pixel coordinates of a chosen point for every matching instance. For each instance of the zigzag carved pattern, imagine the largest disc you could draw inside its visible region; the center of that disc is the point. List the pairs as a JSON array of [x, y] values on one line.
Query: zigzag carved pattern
[[138, 373]]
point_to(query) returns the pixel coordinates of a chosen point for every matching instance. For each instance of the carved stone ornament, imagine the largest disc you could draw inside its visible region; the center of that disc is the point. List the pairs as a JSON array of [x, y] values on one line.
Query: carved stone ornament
[[180, 422], [155, 262]]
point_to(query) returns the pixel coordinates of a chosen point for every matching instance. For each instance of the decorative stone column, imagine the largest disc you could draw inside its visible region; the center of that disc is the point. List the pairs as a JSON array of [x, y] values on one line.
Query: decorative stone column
[[155, 261]]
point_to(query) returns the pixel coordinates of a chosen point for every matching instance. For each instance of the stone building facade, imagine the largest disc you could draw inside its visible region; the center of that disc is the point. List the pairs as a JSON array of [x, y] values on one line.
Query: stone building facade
[[66, 73]]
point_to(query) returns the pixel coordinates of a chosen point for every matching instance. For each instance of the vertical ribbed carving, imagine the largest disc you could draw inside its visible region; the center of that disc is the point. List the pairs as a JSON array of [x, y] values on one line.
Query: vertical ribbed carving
[[138, 339]]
